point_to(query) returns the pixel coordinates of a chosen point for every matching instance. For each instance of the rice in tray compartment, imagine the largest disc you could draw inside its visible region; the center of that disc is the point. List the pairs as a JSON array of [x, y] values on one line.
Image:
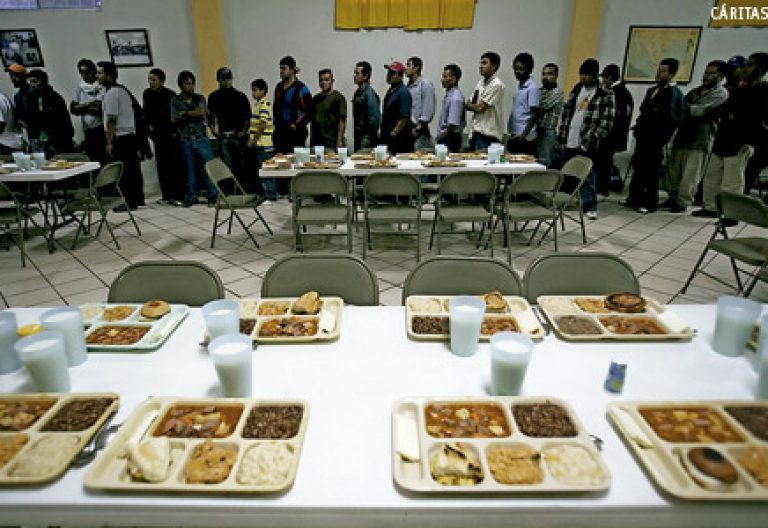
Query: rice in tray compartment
[[572, 464], [46, 456], [266, 464], [248, 308], [561, 306]]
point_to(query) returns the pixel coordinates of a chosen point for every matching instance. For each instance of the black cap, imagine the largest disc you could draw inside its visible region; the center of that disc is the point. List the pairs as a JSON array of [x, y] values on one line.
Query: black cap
[[589, 67], [223, 73], [612, 70]]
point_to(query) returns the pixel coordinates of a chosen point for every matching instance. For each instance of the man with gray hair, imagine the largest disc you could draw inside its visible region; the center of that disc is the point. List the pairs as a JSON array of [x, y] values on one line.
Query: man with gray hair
[[422, 103]]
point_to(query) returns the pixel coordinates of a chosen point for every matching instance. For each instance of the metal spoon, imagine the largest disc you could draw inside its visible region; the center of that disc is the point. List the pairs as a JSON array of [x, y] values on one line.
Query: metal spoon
[[99, 442]]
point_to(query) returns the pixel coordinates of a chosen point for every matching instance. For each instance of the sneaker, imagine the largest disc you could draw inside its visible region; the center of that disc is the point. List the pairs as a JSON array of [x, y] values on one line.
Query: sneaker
[[704, 213], [176, 203], [266, 202], [189, 203], [591, 215], [643, 210]]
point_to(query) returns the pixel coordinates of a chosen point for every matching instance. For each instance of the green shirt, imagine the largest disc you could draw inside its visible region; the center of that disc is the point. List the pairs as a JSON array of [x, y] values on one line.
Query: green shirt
[[328, 111]]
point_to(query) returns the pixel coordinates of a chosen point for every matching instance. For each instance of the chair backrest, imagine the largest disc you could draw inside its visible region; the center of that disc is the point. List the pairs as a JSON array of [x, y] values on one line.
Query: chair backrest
[[173, 281], [545, 181], [461, 276], [577, 167], [578, 274], [109, 174], [342, 276], [744, 154], [743, 208], [469, 182], [313, 183], [392, 184]]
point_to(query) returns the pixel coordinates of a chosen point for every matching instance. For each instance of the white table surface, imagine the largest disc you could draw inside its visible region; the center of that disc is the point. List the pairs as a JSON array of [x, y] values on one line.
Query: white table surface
[[344, 476], [416, 167], [38, 175]]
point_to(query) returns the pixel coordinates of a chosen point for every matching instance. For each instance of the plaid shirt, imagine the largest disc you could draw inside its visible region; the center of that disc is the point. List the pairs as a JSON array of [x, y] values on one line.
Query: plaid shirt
[[598, 119], [551, 105]]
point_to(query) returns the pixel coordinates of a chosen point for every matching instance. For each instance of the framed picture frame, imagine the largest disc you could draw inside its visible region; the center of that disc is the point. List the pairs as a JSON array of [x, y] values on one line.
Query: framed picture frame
[[129, 47], [20, 46], [647, 45]]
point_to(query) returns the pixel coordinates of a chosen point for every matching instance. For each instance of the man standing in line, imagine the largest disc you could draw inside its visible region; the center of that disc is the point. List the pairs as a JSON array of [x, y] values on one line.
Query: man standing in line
[[120, 126], [86, 103], [229, 118], [585, 124], [23, 96], [292, 108], [487, 104], [330, 120], [10, 135], [188, 113], [660, 113], [694, 138], [525, 108], [753, 74], [617, 139], [365, 108], [396, 112], [157, 111], [422, 103], [550, 107], [452, 121], [260, 147]]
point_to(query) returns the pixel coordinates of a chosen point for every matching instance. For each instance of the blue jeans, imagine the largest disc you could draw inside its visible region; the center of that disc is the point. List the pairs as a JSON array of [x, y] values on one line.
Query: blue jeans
[[480, 141], [268, 184], [195, 152], [545, 145]]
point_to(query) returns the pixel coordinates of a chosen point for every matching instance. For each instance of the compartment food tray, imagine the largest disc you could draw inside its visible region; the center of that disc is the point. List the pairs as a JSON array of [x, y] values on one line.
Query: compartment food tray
[[664, 459], [436, 306], [110, 470], [59, 447], [414, 473], [158, 330], [556, 306]]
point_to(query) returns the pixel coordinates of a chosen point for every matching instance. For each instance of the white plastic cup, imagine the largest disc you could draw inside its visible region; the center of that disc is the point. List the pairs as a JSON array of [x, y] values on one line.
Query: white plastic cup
[[381, 153], [441, 152], [494, 152], [46, 361], [222, 317], [69, 321], [9, 360], [232, 357], [301, 154], [18, 160], [466, 316], [342, 151], [510, 355], [26, 160], [319, 153], [736, 318], [39, 159]]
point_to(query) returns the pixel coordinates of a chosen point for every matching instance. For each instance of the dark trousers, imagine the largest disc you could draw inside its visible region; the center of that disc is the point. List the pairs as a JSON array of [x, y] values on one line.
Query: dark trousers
[[125, 149], [604, 167], [452, 140], [480, 141], [403, 142], [170, 167], [646, 163], [284, 139], [95, 144], [521, 146], [233, 153]]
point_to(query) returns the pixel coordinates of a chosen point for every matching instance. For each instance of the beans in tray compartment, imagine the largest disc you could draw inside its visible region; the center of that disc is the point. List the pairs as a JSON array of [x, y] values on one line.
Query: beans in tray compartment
[[18, 415], [46, 456], [117, 335], [273, 422], [576, 325], [753, 418], [78, 415], [471, 420], [543, 420], [430, 325], [10, 447]]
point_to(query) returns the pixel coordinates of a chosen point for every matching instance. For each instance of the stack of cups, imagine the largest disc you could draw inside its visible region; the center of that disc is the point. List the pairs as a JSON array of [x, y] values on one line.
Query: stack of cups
[[495, 150], [44, 356], [466, 316], [230, 350], [39, 159], [381, 153], [319, 153], [736, 320], [9, 360], [441, 152]]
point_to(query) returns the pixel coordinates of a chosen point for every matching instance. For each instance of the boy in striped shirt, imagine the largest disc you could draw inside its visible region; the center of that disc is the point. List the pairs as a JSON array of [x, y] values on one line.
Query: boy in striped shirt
[[260, 145]]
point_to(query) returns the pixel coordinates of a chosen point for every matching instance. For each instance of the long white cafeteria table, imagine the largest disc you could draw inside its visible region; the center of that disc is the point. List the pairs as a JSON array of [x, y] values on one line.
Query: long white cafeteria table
[[417, 168], [344, 476]]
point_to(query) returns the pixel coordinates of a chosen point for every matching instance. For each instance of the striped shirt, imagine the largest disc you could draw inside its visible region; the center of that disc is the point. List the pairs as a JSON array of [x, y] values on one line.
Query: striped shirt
[[262, 113]]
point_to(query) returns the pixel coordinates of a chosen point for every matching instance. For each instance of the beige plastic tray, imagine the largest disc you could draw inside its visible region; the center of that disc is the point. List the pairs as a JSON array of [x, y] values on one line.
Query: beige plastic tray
[[34, 433], [663, 460], [673, 326], [159, 329], [517, 308], [331, 310], [109, 471], [409, 432]]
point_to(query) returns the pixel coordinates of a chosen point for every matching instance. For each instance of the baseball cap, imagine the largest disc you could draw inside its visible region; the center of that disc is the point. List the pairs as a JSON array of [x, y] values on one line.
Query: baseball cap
[[223, 73], [395, 66], [737, 61], [17, 68]]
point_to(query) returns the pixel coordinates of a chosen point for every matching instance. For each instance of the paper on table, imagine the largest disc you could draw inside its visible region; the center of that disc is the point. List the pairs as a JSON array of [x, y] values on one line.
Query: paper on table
[[406, 438]]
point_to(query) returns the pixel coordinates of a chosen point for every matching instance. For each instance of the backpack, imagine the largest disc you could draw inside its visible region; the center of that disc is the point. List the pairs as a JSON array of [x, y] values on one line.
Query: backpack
[[142, 127]]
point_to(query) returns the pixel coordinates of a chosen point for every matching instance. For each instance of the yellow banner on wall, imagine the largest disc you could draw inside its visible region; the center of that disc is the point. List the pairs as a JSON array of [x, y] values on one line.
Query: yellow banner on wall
[[739, 13], [412, 15]]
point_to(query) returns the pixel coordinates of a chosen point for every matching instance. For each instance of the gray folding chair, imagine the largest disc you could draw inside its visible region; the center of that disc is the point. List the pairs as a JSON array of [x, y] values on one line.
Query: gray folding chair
[[13, 212], [392, 198], [308, 185], [174, 281]]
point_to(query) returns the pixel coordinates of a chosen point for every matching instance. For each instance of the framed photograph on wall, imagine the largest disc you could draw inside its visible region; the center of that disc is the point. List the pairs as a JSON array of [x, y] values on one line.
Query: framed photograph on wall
[[129, 47], [647, 45], [20, 46]]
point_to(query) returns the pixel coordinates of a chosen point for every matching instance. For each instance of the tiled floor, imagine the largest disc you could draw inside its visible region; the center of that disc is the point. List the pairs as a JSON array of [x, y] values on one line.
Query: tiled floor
[[662, 248]]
